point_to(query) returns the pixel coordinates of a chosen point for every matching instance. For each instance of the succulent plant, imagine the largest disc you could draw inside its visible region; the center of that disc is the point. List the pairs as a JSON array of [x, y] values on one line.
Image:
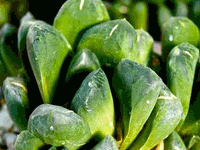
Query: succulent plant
[[91, 82]]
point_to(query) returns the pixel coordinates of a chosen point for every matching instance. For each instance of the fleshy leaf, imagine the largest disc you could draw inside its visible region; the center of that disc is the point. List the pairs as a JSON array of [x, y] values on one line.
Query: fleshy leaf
[[135, 85], [145, 47], [8, 51], [58, 126], [111, 41], [138, 15], [15, 93], [84, 60], [181, 65], [161, 123], [75, 16], [47, 50], [27, 141], [108, 143], [93, 101], [174, 142], [177, 30]]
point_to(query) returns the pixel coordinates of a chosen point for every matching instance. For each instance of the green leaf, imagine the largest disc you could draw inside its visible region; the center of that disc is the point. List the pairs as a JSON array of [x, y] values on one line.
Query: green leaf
[[135, 85], [15, 93], [26, 21], [181, 65], [8, 51], [118, 32], [164, 13], [181, 9], [93, 101], [47, 49], [138, 15], [194, 143], [108, 143], [145, 44], [58, 126], [75, 16], [84, 60], [177, 30], [174, 142], [161, 123], [27, 141], [3, 72]]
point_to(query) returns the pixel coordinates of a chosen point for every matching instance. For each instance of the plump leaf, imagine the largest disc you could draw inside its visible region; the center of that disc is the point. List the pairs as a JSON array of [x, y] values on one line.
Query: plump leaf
[[164, 13], [47, 49], [27, 141], [25, 23], [174, 142], [181, 65], [194, 143], [108, 143], [15, 93], [135, 85], [145, 44], [84, 60], [177, 30], [162, 122], [93, 101], [75, 16], [118, 32], [138, 15], [181, 9], [57, 126], [3, 72], [8, 49]]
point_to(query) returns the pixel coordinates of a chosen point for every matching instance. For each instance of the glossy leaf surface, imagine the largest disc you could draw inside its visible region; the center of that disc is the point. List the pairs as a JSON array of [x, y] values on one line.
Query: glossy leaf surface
[[58, 126], [27, 141], [145, 44], [93, 101], [111, 41], [47, 49], [174, 142], [166, 115], [135, 85], [181, 65], [75, 16], [108, 143], [16, 96], [177, 30]]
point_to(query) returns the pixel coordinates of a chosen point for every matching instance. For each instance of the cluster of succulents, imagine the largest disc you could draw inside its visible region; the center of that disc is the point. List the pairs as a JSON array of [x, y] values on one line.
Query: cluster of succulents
[[92, 82]]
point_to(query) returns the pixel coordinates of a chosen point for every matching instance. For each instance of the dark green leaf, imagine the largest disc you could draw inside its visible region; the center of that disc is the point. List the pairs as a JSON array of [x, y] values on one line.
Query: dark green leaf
[[47, 50], [135, 85], [8, 51], [108, 143], [58, 126], [93, 101], [162, 122], [15, 93], [111, 41], [27, 141]]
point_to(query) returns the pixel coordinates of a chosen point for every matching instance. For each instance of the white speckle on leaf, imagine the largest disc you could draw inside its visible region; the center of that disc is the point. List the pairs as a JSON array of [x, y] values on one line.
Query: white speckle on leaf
[[35, 58], [90, 84], [188, 53], [81, 4], [113, 29], [51, 128], [86, 104], [148, 102], [176, 27], [171, 38], [165, 97], [111, 124]]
